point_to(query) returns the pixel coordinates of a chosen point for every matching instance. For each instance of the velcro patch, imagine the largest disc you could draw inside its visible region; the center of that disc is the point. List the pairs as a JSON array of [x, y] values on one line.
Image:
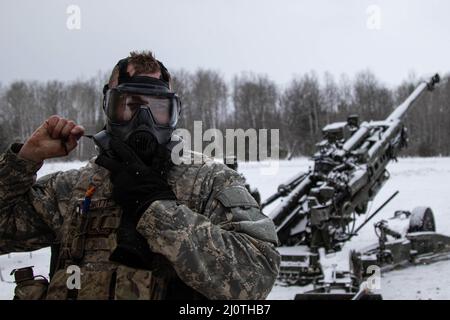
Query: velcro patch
[[236, 196]]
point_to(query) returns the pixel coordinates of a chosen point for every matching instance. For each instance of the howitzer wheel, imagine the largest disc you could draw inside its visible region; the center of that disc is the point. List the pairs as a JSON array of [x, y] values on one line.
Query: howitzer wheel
[[421, 219]]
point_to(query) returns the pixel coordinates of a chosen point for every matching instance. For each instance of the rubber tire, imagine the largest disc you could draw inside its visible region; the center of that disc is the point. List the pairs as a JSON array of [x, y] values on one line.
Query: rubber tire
[[421, 219]]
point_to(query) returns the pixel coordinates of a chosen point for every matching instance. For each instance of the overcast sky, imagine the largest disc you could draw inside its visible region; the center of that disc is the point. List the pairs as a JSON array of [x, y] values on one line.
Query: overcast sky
[[279, 38]]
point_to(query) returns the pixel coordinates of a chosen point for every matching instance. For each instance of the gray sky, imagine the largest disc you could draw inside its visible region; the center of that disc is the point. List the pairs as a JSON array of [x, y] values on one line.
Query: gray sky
[[279, 38]]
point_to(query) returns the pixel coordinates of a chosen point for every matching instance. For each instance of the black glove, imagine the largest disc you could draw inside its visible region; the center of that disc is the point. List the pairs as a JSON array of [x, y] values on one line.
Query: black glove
[[135, 187]]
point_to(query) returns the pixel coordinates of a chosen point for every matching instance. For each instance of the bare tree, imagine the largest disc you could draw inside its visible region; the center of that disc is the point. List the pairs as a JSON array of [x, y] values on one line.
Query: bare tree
[[303, 113], [300, 110]]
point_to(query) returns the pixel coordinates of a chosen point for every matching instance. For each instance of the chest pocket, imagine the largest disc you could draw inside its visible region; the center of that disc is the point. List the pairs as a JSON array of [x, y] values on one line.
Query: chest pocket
[[95, 238]]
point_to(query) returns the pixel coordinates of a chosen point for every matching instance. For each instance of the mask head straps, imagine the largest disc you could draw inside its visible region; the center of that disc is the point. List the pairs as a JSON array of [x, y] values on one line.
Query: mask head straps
[[124, 76]]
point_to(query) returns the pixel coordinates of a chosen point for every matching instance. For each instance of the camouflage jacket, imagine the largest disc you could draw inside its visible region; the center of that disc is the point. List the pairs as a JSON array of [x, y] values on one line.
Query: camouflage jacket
[[214, 237]]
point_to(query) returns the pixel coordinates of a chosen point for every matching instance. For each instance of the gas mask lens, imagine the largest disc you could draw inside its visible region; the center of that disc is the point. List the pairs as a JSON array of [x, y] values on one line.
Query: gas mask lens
[[121, 107]]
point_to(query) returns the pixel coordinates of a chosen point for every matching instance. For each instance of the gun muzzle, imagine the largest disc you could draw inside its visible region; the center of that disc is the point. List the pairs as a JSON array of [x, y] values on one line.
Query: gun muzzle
[[434, 80]]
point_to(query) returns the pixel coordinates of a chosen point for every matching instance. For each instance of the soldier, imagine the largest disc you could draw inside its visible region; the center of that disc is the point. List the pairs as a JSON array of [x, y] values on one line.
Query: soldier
[[137, 225]]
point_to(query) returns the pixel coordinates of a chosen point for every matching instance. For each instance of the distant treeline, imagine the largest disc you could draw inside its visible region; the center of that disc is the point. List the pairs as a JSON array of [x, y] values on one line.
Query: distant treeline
[[300, 110]]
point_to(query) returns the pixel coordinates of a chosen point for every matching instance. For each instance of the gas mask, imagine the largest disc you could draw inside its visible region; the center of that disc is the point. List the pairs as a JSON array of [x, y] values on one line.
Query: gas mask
[[142, 112]]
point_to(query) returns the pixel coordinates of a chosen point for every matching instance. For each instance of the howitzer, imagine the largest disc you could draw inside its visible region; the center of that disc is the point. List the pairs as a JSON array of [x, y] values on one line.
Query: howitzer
[[319, 208]]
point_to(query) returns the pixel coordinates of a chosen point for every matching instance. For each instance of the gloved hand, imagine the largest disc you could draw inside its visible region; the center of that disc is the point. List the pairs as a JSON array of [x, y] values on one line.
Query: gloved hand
[[135, 187]]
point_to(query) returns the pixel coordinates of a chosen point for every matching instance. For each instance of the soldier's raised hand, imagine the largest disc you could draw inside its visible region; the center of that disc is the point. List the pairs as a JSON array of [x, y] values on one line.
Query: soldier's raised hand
[[56, 137]]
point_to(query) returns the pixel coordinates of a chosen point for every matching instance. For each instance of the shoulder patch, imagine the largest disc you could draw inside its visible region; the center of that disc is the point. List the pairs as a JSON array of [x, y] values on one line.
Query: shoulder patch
[[236, 196]]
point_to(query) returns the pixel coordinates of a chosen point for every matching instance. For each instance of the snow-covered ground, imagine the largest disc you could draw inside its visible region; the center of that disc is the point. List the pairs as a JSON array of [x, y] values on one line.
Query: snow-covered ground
[[421, 182]]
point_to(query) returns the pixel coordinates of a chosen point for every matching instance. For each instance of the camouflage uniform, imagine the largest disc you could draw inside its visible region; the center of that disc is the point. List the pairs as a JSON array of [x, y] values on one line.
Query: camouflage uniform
[[213, 242]]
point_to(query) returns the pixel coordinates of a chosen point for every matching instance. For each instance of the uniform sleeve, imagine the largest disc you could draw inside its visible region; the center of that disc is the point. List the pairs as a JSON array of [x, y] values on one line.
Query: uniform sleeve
[[228, 252], [29, 215]]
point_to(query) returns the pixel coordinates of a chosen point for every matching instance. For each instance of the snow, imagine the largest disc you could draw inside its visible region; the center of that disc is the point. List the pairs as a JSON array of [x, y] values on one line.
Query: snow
[[421, 182]]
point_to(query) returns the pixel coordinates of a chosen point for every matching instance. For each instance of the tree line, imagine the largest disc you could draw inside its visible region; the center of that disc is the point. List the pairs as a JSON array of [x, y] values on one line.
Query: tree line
[[299, 109]]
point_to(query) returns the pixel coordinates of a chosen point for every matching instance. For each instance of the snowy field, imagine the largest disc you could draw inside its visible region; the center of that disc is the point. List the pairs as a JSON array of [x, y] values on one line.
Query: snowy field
[[421, 182]]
